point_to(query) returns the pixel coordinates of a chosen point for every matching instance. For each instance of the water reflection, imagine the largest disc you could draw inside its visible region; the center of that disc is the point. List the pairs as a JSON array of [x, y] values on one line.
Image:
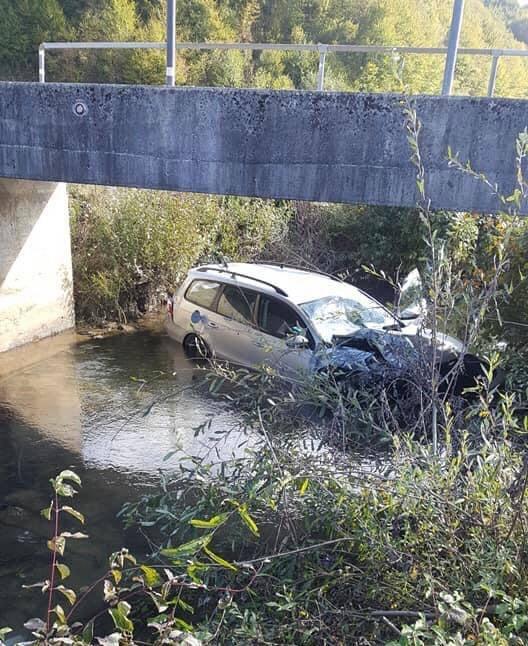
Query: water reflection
[[112, 409]]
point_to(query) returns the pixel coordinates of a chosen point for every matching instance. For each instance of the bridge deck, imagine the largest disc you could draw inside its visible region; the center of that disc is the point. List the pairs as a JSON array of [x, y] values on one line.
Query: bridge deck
[[335, 147]]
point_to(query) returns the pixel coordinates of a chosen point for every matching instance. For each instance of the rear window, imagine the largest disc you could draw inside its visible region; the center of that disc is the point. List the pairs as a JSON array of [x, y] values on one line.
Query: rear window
[[237, 304], [203, 293]]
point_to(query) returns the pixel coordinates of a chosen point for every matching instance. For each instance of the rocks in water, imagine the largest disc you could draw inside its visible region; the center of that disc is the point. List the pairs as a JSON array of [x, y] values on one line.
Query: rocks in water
[[18, 545], [28, 499], [125, 327], [20, 518]]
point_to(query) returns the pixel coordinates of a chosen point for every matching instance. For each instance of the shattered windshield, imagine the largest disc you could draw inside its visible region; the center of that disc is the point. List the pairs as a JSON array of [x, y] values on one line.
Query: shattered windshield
[[343, 316]]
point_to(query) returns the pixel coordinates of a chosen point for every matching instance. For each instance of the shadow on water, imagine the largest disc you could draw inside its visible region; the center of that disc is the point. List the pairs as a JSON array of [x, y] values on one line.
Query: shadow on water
[[65, 404]]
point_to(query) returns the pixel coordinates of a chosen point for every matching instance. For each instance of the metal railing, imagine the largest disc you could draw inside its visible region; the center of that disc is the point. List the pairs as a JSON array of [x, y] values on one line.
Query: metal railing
[[321, 49]]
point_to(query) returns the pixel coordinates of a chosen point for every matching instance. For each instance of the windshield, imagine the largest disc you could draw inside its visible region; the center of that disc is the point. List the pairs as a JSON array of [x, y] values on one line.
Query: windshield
[[343, 316]]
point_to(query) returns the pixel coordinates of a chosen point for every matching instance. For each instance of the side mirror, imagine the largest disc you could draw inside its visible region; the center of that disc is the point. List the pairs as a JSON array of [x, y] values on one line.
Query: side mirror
[[410, 313], [297, 342]]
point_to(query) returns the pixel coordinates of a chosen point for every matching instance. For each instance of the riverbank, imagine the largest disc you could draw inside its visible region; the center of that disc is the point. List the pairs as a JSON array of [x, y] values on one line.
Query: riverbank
[[150, 322]]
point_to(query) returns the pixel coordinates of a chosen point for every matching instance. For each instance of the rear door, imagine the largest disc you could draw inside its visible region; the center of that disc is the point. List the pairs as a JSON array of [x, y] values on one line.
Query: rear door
[[200, 297], [277, 321], [231, 328]]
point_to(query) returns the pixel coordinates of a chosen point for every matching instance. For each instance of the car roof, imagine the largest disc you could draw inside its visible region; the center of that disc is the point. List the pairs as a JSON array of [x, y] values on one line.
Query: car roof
[[300, 285]]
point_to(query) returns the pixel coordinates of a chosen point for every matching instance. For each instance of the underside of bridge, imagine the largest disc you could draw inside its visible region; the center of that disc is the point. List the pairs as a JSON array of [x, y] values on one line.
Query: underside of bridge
[[320, 146]]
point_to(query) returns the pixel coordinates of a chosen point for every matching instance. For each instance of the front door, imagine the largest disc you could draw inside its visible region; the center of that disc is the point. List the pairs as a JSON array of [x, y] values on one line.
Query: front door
[[231, 328], [277, 321]]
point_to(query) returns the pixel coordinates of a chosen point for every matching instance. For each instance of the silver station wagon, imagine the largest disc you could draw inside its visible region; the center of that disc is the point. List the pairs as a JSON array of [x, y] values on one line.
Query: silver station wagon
[[295, 320]]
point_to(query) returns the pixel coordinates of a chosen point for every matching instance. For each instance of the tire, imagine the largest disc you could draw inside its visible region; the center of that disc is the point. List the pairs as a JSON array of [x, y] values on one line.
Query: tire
[[195, 347]]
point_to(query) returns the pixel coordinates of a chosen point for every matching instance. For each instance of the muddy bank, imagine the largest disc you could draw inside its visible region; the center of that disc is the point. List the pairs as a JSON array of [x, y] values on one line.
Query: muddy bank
[[151, 322]]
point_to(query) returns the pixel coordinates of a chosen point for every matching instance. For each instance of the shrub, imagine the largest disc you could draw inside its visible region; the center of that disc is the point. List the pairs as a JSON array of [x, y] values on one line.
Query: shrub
[[130, 246], [366, 543]]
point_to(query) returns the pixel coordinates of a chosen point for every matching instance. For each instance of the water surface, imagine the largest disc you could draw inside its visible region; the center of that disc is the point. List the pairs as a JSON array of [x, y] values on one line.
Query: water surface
[[111, 409]]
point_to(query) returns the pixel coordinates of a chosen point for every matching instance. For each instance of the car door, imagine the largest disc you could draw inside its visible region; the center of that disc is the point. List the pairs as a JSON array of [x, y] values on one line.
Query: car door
[[232, 327], [277, 321], [193, 311]]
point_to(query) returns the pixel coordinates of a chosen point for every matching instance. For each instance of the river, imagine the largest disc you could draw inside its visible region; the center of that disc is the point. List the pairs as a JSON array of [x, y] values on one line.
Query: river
[[82, 404]]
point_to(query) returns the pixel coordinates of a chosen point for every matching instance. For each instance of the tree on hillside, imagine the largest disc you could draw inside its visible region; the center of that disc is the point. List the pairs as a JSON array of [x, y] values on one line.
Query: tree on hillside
[[374, 22], [114, 20], [388, 22], [73, 9], [509, 9], [24, 25], [519, 26], [144, 20], [148, 9]]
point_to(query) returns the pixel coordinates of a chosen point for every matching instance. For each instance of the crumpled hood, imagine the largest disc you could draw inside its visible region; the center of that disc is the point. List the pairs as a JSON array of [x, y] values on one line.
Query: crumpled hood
[[394, 349], [379, 351]]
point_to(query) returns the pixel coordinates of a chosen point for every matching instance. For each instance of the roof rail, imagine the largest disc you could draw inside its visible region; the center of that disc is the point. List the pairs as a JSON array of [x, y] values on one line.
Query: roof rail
[[299, 268], [237, 274], [312, 271]]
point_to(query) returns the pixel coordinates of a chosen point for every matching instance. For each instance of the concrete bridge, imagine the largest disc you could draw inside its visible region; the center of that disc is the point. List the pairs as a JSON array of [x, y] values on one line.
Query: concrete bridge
[[332, 147]]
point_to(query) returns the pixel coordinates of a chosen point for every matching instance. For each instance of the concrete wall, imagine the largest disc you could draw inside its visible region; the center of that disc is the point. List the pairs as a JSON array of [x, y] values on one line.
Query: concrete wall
[[337, 147], [36, 295]]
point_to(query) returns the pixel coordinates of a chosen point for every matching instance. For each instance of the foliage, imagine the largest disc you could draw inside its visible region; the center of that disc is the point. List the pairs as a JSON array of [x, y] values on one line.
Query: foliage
[[352, 544], [341, 521], [291, 544], [139, 598], [341, 238], [388, 238], [519, 25], [24, 25], [477, 242], [130, 245], [382, 22]]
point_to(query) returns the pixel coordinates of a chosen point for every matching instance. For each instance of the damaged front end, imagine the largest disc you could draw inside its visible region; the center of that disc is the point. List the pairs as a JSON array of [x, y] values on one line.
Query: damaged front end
[[372, 358]]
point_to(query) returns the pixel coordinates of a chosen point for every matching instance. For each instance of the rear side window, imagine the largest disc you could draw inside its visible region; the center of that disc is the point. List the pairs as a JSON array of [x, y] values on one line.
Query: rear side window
[[237, 304], [278, 319], [203, 293]]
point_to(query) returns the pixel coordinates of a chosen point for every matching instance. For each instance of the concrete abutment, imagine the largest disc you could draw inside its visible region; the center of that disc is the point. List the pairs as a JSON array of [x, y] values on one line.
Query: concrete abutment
[[36, 289]]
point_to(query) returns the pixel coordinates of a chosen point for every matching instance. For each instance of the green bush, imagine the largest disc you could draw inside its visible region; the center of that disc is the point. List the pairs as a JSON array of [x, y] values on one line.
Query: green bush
[[131, 246], [388, 238], [345, 546]]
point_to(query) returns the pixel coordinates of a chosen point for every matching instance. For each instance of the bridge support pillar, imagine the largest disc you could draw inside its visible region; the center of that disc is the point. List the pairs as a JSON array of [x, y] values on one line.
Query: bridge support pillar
[[36, 291]]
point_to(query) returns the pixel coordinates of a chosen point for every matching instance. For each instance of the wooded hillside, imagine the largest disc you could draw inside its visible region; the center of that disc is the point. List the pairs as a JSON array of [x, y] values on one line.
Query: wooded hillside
[[487, 23]]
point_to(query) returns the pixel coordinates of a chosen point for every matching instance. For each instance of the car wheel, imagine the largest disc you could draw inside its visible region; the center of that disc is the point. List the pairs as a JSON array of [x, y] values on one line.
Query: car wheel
[[195, 347]]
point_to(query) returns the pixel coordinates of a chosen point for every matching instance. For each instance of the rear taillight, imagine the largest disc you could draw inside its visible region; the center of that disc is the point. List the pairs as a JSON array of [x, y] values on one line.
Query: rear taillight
[[170, 307]]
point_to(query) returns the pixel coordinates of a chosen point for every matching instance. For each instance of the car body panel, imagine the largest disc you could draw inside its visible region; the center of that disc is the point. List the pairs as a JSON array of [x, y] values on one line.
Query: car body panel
[[229, 339], [275, 353], [369, 351]]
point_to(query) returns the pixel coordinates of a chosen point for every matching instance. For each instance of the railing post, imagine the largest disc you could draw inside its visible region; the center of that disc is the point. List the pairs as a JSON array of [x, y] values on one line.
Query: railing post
[[493, 75], [171, 43], [452, 47], [321, 71], [42, 64]]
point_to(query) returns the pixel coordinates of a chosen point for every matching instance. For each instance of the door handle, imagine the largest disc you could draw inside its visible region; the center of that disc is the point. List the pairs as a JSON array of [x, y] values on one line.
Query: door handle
[[211, 324]]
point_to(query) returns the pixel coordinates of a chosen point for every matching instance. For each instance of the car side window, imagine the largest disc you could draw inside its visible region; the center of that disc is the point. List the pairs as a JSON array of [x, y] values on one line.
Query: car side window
[[278, 319], [237, 304], [203, 293]]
